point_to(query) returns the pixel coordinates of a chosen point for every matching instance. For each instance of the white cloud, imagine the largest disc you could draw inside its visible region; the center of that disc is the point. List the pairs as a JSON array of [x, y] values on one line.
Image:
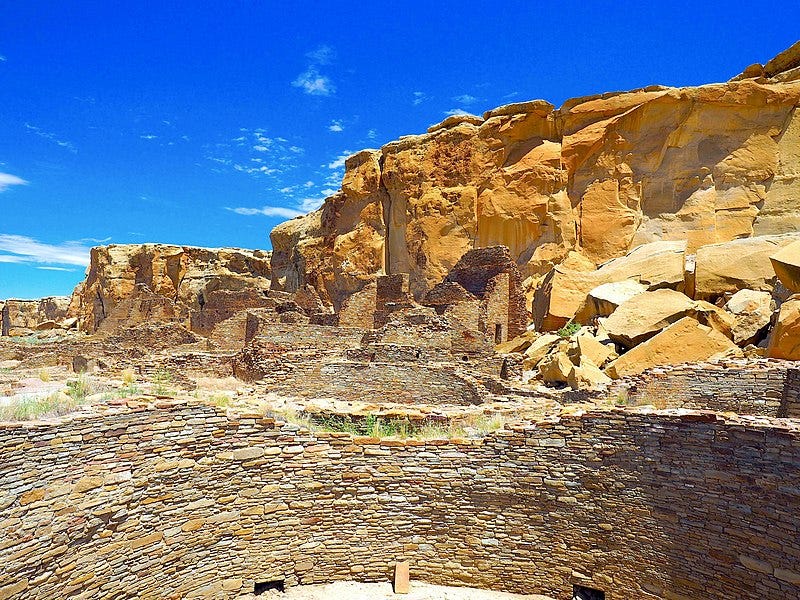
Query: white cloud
[[296, 149], [260, 148], [455, 111], [149, 136], [56, 269], [7, 180], [3, 58], [52, 137], [323, 55], [336, 125], [372, 134], [23, 249], [268, 211], [314, 83], [309, 204], [338, 162], [465, 99], [419, 98]]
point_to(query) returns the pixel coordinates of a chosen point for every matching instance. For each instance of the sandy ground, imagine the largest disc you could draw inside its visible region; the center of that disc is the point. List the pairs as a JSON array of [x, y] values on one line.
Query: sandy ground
[[349, 590]]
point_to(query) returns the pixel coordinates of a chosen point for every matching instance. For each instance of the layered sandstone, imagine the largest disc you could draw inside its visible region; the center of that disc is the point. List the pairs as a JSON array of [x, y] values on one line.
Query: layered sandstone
[[139, 283], [21, 317], [598, 177]]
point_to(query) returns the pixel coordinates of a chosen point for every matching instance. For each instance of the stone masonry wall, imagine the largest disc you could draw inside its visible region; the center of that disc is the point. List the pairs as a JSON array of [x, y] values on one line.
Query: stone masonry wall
[[755, 388], [186, 502], [790, 405]]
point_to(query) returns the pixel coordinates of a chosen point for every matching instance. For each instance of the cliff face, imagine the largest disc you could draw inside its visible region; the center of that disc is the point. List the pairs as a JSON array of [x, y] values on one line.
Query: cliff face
[[598, 177], [180, 280]]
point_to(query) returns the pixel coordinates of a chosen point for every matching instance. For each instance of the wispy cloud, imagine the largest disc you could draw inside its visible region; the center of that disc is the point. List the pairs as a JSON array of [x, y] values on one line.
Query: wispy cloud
[[56, 269], [3, 58], [465, 99], [7, 180], [312, 81], [419, 98], [149, 136], [23, 249], [372, 134], [455, 111], [268, 211], [336, 125], [338, 162], [51, 136], [323, 55]]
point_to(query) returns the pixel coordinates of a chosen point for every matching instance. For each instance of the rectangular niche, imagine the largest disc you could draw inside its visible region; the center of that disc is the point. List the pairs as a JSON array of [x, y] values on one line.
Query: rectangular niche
[[581, 592], [262, 587]]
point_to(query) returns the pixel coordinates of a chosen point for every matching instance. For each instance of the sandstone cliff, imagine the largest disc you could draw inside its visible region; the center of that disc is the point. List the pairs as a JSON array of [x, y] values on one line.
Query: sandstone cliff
[[130, 284], [574, 186]]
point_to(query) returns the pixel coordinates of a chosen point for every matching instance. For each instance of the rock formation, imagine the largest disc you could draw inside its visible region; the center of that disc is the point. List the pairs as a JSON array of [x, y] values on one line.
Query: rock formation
[[132, 280], [21, 317], [599, 176]]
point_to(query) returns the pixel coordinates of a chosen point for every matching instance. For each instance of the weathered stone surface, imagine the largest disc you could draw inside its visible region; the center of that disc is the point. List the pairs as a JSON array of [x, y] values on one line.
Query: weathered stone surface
[[728, 267], [587, 376], [539, 348], [494, 303], [555, 368], [21, 317], [683, 341], [646, 314], [786, 263], [600, 175], [784, 341], [604, 299], [565, 291], [588, 347], [183, 276], [752, 312]]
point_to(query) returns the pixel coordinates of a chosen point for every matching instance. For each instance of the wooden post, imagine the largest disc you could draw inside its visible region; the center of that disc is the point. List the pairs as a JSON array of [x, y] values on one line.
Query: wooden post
[[401, 577]]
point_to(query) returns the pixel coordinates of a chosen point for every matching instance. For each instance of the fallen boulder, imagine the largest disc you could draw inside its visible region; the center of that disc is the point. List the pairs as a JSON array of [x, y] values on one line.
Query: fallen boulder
[[740, 264], [587, 376], [555, 368], [605, 298], [786, 263], [785, 339], [752, 312], [683, 341]]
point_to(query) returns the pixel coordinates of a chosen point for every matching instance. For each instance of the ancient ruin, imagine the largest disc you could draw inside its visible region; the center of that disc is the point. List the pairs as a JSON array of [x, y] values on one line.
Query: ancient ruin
[[544, 351]]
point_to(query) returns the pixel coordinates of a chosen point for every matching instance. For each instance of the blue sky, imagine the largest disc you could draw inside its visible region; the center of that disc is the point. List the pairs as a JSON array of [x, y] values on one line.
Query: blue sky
[[207, 123]]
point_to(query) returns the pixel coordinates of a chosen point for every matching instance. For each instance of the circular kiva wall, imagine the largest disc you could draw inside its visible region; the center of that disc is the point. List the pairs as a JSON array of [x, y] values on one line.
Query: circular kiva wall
[[183, 502]]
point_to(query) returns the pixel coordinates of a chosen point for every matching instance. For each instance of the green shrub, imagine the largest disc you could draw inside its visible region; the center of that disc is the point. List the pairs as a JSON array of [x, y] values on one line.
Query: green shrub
[[569, 329]]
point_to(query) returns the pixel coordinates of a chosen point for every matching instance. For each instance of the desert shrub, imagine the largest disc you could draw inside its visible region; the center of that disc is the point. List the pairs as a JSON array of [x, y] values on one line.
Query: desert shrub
[[569, 329]]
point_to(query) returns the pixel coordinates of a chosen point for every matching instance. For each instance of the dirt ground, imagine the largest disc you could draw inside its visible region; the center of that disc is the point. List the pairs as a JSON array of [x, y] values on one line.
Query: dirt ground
[[349, 590]]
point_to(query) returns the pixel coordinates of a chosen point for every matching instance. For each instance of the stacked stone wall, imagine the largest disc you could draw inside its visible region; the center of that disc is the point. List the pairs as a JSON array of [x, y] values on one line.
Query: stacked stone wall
[[186, 502], [790, 405], [754, 388]]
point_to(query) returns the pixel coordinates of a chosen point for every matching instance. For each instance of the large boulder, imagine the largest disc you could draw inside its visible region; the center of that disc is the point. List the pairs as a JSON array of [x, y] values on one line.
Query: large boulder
[[587, 376], [785, 339], [684, 341], [786, 263], [555, 368], [604, 299], [564, 293], [741, 264], [644, 315], [752, 312]]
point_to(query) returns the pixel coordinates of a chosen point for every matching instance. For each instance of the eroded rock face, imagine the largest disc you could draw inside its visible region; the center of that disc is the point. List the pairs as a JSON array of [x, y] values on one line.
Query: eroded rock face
[[21, 317], [184, 278], [601, 175]]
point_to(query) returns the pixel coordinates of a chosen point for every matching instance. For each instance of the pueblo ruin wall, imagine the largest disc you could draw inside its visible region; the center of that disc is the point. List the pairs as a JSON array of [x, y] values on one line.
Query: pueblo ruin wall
[[184, 502]]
